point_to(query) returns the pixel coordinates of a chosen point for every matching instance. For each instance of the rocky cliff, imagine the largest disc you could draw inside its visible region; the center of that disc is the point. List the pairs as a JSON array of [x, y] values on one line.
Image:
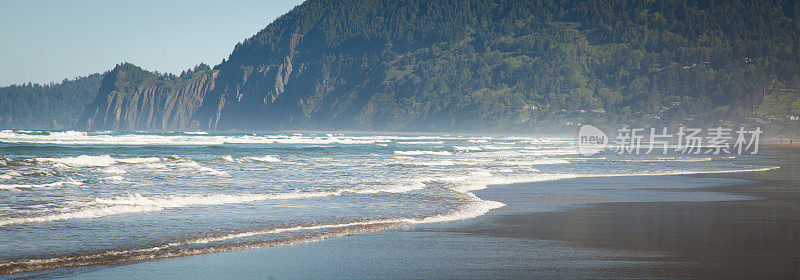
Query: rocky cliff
[[131, 98]]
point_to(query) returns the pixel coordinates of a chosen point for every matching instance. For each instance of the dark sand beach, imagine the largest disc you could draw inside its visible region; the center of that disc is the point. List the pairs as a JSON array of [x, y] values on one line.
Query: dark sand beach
[[719, 226]]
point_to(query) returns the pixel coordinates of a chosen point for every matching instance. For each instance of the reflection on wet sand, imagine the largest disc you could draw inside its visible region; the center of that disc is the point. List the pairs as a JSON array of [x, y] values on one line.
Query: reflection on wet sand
[[729, 239]]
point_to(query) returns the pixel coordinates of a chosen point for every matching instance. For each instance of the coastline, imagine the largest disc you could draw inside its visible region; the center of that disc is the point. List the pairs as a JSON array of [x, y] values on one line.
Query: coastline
[[697, 226]]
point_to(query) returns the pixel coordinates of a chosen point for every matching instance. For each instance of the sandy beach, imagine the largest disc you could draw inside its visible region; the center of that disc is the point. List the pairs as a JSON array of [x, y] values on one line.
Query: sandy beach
[[722, 226]]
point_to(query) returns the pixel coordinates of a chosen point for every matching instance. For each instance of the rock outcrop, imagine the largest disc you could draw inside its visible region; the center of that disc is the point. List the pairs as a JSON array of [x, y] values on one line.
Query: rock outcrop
[[134, 99]]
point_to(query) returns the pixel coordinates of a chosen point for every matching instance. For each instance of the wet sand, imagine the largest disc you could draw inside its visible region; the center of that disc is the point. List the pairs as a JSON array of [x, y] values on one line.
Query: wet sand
[[718, 226]]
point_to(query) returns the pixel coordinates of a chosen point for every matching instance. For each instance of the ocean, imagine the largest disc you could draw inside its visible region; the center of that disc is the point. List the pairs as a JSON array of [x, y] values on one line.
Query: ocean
[[71, 198]]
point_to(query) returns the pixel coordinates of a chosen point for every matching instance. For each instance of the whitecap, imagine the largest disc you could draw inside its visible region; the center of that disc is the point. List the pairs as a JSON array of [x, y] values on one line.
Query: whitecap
[[102, 160], [194, 166], [467, 148], [82, 160], [420, 142], [113, 170], [419, 152], [113, 178], [535, 162], [266, 158], [34, 186]]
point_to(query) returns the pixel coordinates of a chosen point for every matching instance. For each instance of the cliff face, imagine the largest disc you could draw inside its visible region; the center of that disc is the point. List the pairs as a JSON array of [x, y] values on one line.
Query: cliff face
[[312, 70], [265, 95], [133, 99]]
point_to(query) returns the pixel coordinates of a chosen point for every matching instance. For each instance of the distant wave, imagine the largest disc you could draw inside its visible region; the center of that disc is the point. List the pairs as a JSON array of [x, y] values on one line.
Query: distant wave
[[467, 148], [194, 166], [420, 142], [419, 153], [187, 139], [137, 203], [103, 160], [265, 159], [34, 186], [426, 163], [113, 178], [535, 162], [185, 164], [113, 170]]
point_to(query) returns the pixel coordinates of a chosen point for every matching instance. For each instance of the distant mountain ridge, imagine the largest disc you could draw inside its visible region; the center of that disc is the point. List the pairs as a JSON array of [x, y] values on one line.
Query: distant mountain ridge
[[477, 65], [50, 106]]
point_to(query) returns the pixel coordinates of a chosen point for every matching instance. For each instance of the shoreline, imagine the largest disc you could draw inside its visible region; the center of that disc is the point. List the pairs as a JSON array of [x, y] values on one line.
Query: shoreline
[[600, 250], [479, 208]]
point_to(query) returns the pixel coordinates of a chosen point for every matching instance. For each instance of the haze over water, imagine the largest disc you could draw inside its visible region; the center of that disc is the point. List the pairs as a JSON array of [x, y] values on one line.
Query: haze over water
[[75, 198]]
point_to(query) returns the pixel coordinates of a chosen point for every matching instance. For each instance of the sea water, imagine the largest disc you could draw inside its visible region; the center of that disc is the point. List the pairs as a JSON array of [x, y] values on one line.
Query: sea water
[[71, 198]]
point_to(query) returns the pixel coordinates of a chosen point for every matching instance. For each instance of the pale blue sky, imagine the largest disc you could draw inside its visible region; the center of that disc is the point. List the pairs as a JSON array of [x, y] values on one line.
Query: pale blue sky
[[49, 40]]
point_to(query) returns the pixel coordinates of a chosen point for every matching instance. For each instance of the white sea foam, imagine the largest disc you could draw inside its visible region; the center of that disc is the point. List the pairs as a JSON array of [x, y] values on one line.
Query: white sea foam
[[473, 209], [88, 213], [467, 148], [482, 179], [266, 158], [177, 201], [113, 178], [153, 166], [113, 170], [420, 142], [84, 138], [138, 160], [397, 188], [10, 175], [226, 158], [34, 186], [103, 160], [83, 160], [428, 162], [419, 153], [535, 162], [194, 166], [137, 203]]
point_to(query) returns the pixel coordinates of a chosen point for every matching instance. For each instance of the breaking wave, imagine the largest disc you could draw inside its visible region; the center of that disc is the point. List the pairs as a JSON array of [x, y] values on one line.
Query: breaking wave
[[35, 186], [189, 247], [103, 160]]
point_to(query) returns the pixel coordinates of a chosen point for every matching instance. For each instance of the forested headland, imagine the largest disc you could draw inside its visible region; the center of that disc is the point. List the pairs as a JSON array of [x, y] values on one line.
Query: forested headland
[[479, 65]]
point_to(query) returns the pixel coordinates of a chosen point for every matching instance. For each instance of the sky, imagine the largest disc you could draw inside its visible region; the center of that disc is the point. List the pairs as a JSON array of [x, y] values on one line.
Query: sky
[[50, 40]]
